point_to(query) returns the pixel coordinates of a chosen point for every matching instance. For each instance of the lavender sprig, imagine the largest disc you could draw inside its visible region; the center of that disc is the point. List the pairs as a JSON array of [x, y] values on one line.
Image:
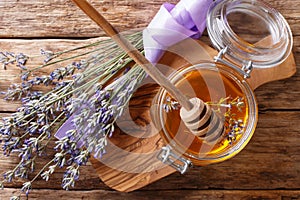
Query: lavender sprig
[[7, 58], [170, 105]]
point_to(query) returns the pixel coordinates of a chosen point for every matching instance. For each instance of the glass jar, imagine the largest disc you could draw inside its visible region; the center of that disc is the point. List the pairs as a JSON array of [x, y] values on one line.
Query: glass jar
[[212, 82], [248, 34]]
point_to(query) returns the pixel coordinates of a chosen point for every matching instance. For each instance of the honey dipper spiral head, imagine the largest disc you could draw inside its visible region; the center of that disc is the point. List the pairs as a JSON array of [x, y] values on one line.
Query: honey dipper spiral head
[[203, 121]]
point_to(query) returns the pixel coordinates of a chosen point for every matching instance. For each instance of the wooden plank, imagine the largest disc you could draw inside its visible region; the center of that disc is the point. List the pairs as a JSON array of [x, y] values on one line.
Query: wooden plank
[[61, 18], [170, 194], [271, 160]]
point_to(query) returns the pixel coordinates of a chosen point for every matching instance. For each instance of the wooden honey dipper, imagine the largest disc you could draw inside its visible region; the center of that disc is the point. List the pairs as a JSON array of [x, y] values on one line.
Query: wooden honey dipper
[[197, 116]]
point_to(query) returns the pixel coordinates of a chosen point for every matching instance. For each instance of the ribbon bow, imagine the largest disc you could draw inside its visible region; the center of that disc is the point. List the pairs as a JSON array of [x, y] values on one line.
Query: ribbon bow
[[173, 24]]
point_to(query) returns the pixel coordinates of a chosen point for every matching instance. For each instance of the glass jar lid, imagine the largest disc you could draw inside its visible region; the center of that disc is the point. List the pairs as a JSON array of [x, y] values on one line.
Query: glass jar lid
[[251, 31]]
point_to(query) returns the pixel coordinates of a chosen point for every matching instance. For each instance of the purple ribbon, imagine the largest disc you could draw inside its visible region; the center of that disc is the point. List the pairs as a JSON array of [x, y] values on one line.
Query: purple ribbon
[[171, 25]]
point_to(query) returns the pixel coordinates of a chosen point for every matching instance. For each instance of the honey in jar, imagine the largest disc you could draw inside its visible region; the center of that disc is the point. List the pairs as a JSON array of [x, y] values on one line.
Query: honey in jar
[[229, 96]]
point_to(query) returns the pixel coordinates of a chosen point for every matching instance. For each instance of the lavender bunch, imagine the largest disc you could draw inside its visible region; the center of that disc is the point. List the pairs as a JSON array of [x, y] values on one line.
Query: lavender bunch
[[93, 91]]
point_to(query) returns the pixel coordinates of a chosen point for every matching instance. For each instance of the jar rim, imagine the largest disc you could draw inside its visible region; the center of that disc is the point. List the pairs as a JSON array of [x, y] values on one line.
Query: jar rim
[[239, 50], [251, 122]]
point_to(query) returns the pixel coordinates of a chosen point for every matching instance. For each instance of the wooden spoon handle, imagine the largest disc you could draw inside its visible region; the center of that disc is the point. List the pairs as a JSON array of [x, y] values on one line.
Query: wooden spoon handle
[[157, 76]]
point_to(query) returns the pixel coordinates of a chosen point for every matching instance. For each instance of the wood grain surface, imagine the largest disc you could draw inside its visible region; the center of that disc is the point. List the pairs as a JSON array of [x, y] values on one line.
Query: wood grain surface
[[268, 168]]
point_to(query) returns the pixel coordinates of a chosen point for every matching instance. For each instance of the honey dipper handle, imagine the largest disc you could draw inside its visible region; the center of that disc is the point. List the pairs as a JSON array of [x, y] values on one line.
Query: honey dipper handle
[[134, 53]]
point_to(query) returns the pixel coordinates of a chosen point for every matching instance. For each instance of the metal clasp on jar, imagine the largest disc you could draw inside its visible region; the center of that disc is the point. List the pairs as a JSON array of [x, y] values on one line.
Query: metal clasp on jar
[[246, 69], [172, 159]]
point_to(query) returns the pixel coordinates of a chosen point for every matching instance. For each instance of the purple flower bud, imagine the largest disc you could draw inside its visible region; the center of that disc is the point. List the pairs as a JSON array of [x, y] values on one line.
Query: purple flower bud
[[25, 76]]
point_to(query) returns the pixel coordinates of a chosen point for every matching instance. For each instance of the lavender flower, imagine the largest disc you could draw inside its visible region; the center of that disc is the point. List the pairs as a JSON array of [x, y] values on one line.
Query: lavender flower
[[24, 76], [46, 174], [8, 176], [170, 105], [15, 198], [21, 60], [10, 144], [82, 158], [70, 177], [26, 187], [49, 55], [12, 58], [17, 91], [62, 72]]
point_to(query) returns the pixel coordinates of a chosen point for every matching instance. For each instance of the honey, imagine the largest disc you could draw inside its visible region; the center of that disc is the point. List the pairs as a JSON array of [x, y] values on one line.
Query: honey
[[216, 87]]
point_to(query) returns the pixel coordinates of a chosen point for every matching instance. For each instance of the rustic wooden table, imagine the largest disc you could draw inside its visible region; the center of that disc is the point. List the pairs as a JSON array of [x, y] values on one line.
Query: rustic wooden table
[[268, 168]]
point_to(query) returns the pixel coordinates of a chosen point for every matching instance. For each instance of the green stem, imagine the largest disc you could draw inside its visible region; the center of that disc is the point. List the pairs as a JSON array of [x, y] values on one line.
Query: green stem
[[109, 43], [40, 172], [68, 58]]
